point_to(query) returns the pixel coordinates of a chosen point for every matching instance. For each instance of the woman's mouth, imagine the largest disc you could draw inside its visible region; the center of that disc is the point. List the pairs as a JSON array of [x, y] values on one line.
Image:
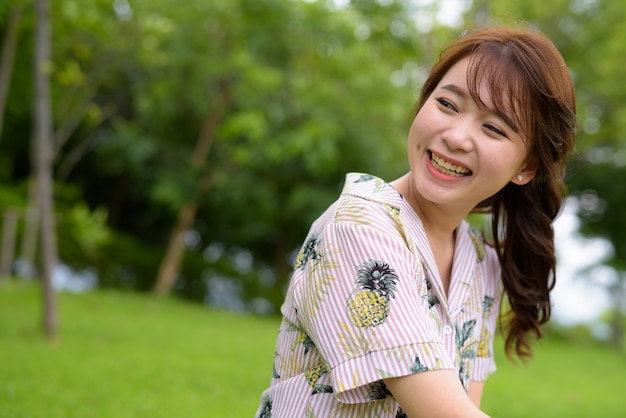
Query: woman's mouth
[[447, 167]]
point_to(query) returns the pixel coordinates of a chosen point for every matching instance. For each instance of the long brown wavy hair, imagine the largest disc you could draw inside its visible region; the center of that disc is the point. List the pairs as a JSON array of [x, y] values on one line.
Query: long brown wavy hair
[[530, 83]]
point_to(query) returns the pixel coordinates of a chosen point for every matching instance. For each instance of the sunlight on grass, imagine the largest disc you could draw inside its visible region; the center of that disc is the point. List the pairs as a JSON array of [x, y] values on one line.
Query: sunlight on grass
[[124, 355], [127, 355]]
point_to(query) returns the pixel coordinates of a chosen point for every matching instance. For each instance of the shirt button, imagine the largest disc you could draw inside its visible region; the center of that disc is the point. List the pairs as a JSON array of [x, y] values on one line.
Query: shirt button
[[447, 329]]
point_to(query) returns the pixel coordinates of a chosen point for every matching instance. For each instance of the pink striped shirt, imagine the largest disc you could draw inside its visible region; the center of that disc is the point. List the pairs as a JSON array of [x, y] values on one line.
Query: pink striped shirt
[[365, 303]]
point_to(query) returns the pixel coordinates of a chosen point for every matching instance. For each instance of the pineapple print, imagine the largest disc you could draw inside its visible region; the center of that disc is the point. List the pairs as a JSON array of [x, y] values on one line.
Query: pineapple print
[[394, 213], [313, 375], [368, 304], [485, 335], [301, 338], [309, 251]]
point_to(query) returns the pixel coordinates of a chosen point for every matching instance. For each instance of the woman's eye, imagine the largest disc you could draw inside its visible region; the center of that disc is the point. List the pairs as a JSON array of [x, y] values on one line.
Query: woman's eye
[[446, 103], [495, 130]]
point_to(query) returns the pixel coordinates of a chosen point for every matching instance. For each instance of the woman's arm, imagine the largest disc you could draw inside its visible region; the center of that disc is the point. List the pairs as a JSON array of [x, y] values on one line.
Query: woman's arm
[[475, 392], [433, 394]]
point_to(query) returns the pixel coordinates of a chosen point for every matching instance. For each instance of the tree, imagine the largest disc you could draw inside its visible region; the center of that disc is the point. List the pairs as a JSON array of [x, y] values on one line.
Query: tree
[[42, 164], [286, 88], [291, 96], [170, 265], [9, 45]]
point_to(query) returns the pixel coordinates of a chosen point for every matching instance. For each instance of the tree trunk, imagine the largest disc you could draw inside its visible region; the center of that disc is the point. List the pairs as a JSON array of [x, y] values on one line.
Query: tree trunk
[[170, 266], [28, 250], [43, 164], [9, 46], [9, 226]]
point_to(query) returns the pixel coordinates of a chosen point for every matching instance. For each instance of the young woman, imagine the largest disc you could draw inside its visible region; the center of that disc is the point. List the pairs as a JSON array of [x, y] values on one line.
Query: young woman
[[393, 304]]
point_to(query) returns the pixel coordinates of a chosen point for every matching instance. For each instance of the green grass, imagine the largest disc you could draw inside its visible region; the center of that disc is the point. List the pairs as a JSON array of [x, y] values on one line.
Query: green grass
[[124, 355], [562, 380]]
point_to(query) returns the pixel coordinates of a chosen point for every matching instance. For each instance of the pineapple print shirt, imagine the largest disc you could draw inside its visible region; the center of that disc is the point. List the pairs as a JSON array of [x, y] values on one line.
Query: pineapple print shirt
[[365, 303]]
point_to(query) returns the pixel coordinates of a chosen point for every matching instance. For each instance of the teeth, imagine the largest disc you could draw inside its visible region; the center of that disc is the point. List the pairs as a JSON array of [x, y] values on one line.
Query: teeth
[[447, 167]]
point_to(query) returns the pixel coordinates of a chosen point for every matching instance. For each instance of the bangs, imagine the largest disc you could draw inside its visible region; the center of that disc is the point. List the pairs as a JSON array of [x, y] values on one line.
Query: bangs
[[495, 66]]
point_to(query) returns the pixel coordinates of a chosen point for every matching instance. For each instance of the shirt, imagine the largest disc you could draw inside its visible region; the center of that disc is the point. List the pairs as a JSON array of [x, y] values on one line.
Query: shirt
[[365, 302]]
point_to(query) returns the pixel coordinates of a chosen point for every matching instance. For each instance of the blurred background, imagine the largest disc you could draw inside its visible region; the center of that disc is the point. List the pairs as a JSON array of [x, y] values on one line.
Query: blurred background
[[183, 147]]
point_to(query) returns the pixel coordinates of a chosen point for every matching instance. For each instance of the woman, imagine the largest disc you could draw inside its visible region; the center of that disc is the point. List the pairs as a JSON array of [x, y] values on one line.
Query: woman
[[393, 304]]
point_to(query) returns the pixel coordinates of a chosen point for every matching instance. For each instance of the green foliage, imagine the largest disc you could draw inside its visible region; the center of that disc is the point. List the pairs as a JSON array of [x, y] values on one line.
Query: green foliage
[[294, 94], [88, 228], [137, 356], [12, 196], [125, 262]]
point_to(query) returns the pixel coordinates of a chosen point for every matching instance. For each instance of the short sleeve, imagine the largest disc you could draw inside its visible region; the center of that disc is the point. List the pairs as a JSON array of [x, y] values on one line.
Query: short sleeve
[[359, 300]]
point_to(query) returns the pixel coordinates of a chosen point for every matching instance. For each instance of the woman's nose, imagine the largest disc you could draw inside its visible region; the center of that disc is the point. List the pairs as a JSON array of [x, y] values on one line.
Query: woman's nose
[[460, 134]]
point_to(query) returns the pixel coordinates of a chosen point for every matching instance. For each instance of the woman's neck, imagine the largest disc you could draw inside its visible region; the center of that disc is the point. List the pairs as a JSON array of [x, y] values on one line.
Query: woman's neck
[[439, 221]]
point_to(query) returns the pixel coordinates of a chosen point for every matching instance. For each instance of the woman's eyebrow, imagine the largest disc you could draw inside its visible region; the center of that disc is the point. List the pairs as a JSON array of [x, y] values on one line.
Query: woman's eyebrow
[[463, 94], [455, 89]]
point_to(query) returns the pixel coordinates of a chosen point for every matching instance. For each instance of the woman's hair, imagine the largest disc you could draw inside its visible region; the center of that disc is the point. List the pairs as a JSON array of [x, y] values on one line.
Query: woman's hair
[[530, 83]]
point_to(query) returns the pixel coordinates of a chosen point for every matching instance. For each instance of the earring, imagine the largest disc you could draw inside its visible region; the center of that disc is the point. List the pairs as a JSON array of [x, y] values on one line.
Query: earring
[[520, 177]]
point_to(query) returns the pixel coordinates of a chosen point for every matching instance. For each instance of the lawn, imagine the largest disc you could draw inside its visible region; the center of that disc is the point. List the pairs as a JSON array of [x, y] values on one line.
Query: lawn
[[124, 355]]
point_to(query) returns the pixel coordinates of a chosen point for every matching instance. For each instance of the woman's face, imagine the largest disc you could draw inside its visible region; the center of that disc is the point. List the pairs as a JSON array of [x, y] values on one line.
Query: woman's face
[[461, 153]]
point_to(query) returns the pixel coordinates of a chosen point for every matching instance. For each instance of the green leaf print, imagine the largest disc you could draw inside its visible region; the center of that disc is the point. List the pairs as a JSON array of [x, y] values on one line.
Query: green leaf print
[[352, 213], [364, 178], [373, 409], [417, 366], [487, 305], [301, 338], [377, 390], [309, 412], [354, 343], [266, 410], [432, 300], [466, 353], [384, 373], [275, 374], [464, 333], [429, 284], [379, 184], [401, 414], [317, 284], [309, 251]]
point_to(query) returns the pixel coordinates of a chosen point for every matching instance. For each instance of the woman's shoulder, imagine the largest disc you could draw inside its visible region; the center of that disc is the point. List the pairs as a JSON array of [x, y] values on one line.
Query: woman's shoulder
[[365, 201], [370, 188]]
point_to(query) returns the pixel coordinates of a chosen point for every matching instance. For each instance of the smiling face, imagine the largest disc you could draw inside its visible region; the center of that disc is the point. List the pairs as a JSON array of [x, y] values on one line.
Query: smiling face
[[462, 152]]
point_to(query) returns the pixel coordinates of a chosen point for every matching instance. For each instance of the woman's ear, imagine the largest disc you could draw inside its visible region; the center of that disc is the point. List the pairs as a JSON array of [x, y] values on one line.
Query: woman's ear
[[523, 177]]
